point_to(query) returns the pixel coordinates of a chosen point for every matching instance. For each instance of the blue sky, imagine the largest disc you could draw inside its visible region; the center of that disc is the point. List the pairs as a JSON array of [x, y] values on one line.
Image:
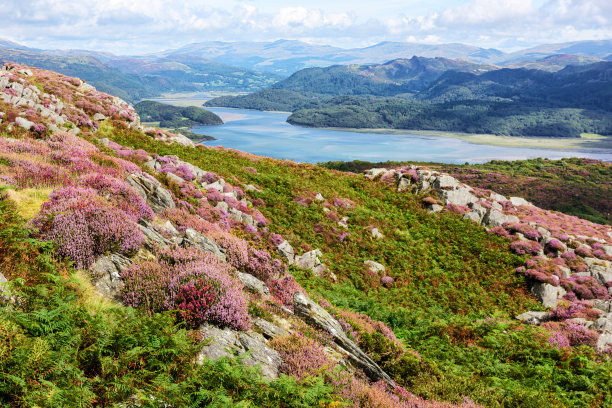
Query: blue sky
[[143, 26]]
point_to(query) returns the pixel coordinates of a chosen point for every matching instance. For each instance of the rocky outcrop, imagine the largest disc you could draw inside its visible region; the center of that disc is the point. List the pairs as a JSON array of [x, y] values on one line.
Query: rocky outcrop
[[194, 238], [152, 191], [253, 284], [227, 343], [106, 274], [315, 315], [285, 250], [310, 260]]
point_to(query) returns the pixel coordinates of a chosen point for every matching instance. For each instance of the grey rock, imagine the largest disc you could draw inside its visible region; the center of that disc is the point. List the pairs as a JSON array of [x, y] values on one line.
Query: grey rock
[[310, 260], [24, 123], [99, 117], [285, 250], [495, 218], [604, 342], [319, 197], [473, 216], [315, 315], [374, 266], [227, 342], [518, 201], [547, 294], [25, 72], [269, 330], [376, 234], [152, 191], [603, 305], [533, 318], [153, 238], [373, 173], [222, 205], [435, 208], [404, 184], [194, 238], [106, 274], [253, 284], [174, 178], [603, 325]]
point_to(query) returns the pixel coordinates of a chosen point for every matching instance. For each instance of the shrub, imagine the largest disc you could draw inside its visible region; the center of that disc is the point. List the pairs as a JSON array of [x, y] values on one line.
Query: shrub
[[284, 289], [194, 282], [262, 266], [569, 334], [525, 247], [84, 226], [302, 357]]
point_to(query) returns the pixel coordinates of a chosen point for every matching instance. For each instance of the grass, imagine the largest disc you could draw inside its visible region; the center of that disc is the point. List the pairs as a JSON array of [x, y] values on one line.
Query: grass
[[29, 200]]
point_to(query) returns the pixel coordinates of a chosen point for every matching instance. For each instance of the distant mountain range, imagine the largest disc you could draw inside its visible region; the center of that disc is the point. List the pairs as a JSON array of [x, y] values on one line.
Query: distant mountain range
[[252, 66], [287, 56]]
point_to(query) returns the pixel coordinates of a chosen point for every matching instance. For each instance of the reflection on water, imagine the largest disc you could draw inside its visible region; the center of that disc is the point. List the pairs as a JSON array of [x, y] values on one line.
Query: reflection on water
[[267, 134]]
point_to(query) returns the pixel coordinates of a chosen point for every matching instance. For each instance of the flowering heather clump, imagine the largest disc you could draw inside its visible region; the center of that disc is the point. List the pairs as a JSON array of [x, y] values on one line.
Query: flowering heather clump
[[121, 194], [276, 239], [575, 308], [262, 266], [554, 245], [500, 232], [343, 203], [387, 281], [570, 334], [284, 289], [236, 249], [214, 195], [194, 282], [229, 308], [457, 209], [528, 231], [585, 287], [251, 170], [303, 201], [85, 226], [302, 357], [525, 247], [209, 178], [584, 251], [430, 201]]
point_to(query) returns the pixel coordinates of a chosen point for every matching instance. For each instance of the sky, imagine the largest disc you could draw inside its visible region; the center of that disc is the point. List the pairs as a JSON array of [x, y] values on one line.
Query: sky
[[145, 26]]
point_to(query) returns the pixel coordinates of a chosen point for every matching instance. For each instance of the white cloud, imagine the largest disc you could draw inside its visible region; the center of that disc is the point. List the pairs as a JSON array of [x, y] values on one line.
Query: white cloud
[[141, 26]]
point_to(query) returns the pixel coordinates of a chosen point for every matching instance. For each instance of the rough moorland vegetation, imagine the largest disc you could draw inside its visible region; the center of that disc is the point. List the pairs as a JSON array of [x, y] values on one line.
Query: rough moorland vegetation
[[145, 270]]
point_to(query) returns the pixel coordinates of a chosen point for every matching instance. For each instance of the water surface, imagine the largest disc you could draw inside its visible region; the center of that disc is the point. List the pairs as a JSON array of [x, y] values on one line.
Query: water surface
[[268, 134]]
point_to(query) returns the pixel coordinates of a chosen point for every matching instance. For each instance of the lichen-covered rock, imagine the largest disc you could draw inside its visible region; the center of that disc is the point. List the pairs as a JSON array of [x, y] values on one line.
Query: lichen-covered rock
[[253, 284], [495, 218], [152, 191], [310, 260], [269, 330], [534, 318], [318, 317], [153, 238], [374, 266], [227, 342], [285, 250], [194, 238], [547, 294], [106, 274]]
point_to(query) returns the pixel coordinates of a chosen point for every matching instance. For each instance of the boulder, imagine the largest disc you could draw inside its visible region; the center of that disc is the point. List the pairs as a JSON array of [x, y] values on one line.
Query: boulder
[[309, 260], [253, 284], [547, 294], [376, 234], [534, 318], [404, 184], [285, 250], [106, 274], [269, 330], [24, 123], [604, 342], [194, 238], [152, 191], [374, 266], [153, 238], [227, 342], [518, 201], [373, 173], [495, 218], [319, 197], [318, 317]]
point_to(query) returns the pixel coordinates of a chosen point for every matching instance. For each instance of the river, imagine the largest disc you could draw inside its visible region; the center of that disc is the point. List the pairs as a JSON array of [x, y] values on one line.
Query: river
[[268, 134]]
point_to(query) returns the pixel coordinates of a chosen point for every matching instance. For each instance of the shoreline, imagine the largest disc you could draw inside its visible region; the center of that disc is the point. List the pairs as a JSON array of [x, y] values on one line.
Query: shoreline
[[552, 143]]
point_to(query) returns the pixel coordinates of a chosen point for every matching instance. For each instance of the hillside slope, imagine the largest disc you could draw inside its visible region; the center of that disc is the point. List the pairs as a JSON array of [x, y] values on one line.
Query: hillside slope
[[135, 259]]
